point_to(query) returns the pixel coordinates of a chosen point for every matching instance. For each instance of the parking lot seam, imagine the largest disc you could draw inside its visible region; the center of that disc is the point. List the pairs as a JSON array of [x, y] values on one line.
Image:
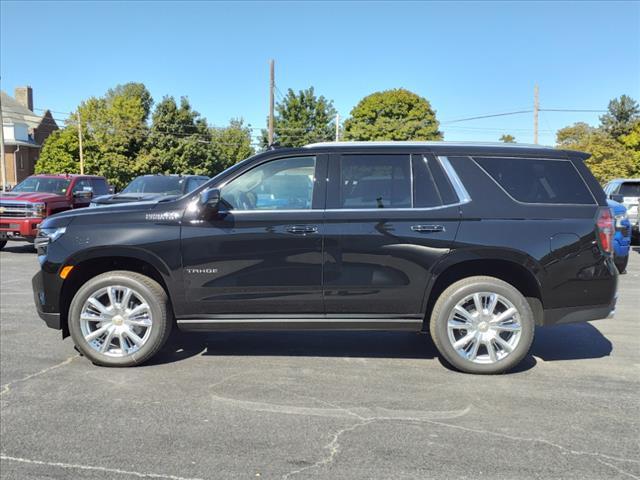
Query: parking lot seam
[[6, 388]]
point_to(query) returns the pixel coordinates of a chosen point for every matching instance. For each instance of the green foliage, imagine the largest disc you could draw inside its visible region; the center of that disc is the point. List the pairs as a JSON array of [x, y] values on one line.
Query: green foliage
[[231, 145], [506, 138], [302, 118], [392, 115], [622, 114]]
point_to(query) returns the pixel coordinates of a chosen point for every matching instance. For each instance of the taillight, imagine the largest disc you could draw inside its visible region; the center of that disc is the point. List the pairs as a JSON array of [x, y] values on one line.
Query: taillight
[[606, 229]]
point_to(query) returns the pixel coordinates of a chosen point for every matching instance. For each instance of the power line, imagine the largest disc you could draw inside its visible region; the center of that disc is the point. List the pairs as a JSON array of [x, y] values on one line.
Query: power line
[[486, 116]]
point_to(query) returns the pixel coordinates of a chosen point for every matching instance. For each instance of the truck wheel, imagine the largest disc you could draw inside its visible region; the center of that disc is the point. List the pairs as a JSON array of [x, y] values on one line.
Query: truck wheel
[[482, 325], [120, 319], [2, 244], [621, 263]]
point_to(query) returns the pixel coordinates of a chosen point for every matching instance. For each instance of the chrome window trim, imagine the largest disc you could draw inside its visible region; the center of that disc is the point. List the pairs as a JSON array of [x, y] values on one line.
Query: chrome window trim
[[595, 202], [381, 210], [458, 186]]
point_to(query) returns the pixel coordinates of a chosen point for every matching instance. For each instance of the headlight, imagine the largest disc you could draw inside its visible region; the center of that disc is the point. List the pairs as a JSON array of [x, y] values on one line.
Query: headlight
[[39, 210], [619, 219], [48, 235]]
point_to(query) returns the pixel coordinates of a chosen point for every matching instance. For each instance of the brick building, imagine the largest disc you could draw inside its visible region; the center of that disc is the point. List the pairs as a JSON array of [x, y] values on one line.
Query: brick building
[[24, 133]]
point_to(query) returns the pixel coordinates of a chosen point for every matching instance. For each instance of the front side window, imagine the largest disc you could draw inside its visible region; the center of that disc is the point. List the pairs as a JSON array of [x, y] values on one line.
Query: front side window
[[43, 185], [375, 181], [538, 180], [83, 185], [284, 184], [169, 185]]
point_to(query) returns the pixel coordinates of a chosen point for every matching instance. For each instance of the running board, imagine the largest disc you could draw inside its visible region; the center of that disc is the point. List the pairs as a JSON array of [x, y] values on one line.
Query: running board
[[211, 323]]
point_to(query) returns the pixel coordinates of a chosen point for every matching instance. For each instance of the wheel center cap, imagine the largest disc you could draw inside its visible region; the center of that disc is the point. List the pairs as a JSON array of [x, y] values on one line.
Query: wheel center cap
[[483, 326], [118, 320]]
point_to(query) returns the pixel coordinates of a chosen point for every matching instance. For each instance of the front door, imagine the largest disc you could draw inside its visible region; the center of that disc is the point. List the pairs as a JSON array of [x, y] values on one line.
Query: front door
[[262, 254], [386, 224]]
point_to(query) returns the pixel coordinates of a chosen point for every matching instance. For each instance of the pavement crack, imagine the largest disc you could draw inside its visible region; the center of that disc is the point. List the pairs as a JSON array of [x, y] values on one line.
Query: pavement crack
[[333, 448], [630, 475], [6, 388], [75, 466]]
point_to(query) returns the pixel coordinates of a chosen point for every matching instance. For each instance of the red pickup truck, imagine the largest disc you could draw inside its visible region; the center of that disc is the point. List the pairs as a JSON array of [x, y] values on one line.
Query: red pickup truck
[[38, 196]]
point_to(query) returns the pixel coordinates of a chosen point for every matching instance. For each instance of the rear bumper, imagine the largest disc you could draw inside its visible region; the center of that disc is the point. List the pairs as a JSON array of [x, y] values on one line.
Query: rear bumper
[[19, 228], [558, 316]]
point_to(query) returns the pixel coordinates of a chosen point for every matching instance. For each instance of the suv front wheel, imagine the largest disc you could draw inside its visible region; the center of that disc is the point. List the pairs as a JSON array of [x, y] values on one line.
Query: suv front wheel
[[482, 325], [120, 319]]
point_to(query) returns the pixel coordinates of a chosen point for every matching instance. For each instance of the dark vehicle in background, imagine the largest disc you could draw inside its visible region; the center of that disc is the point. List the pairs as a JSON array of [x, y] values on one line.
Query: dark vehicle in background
[[475, 243], [627, 192], [38, 196], [153, 188], [622, 238]]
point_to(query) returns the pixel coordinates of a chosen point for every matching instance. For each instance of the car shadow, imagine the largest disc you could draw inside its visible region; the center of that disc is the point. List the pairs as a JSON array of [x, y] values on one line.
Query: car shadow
[[19, 248], [563, 342]]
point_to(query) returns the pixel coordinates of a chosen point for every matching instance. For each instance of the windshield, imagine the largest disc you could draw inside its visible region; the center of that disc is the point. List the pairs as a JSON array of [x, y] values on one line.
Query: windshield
[[156, 184], [58, 186], [630, 189]]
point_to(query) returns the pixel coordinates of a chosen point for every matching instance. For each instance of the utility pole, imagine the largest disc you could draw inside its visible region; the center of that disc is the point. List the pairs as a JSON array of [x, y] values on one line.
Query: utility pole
[[337, 127], [272, 87], [80, 144], [536, 109], [2, 164]]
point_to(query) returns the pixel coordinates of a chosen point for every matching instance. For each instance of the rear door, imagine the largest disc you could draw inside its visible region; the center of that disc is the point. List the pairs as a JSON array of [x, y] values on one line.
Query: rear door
[[389, 218]]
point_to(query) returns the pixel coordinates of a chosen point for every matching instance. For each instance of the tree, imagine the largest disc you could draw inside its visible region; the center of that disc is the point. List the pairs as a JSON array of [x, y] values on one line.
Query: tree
[[506, 138], [114, 129], [179, 141], [392, 115], [609, 157], [622, 114], [231, 145], [302, 118]]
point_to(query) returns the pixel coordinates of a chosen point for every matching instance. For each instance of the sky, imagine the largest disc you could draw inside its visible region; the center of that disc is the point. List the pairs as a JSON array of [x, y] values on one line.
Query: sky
[[467, 58]]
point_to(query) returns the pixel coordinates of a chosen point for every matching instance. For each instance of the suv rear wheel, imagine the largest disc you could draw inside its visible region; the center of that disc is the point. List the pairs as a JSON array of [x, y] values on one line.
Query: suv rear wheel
[[120, 319], [482, 325]]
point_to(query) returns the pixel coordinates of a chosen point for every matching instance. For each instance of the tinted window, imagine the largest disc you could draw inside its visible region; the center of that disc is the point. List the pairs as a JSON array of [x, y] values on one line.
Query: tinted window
[[630, 189], [83, 185], [538, 181], [194, 183], [375, 181], [285, 184], [156, 184], [99, 186]]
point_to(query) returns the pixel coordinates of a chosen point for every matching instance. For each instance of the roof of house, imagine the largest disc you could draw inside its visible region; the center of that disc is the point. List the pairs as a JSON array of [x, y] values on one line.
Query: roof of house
[[14, 112]]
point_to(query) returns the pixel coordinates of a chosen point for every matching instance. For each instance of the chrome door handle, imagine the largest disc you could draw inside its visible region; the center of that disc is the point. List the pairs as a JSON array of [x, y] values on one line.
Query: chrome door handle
[[301, 229], [427, 228]]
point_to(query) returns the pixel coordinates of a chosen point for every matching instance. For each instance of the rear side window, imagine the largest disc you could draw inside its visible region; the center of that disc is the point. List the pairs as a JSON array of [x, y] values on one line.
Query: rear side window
[[537, 180], [630, 189], [375, 181]]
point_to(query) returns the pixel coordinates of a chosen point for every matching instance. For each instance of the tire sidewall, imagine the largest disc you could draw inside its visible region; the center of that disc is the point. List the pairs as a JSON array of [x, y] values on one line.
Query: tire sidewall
[[454, 295], [156, 305]]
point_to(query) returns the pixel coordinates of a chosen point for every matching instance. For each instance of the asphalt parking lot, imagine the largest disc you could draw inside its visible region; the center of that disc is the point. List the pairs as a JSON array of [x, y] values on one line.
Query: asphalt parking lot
[[317, 405]]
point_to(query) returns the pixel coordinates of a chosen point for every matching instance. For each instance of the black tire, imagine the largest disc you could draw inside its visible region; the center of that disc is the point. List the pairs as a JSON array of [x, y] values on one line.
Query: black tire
[[2, 244], [153, 294], [621, 263], [456, 293]]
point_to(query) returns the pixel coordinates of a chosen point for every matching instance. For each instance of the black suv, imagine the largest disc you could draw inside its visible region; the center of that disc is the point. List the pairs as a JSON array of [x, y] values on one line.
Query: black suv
[[152, 188], [476, 243]]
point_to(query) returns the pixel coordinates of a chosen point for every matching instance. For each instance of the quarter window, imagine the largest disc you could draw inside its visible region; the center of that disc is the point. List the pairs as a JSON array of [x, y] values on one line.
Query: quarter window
[[284, 184], [538, 180], [375, 181]]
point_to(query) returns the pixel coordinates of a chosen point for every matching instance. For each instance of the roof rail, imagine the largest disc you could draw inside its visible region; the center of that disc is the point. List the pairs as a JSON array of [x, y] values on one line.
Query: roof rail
[[423, 144]]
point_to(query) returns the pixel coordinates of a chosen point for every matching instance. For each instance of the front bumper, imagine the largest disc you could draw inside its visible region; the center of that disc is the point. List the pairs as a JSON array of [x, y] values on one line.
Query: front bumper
[[46, 310], [19, 228]]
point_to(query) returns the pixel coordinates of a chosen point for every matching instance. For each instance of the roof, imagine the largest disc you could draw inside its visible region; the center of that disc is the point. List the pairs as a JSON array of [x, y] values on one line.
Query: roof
[[14, 112], [623, 180], [64, 175], [423, 144]]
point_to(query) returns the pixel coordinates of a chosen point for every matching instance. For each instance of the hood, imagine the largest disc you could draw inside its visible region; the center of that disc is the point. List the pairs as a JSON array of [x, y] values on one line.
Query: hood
[[618, 208], [31, 197], [131, 197]]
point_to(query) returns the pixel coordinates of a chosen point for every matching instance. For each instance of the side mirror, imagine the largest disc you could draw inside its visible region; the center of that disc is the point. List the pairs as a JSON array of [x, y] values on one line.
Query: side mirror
[[210, 199], [83, 194], [616, 197]]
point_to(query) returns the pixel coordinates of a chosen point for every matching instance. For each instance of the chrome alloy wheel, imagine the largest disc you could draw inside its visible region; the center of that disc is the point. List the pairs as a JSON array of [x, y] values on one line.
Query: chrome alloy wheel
[[116, 321], [484, 327]]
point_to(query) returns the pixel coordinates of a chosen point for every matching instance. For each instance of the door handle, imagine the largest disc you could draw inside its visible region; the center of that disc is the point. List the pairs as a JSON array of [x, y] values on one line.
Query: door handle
[[301, 229], [427, 228]]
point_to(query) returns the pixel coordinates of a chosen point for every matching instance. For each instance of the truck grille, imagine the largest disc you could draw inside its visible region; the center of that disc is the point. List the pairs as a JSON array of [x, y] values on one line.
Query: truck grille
[[14, 210]]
